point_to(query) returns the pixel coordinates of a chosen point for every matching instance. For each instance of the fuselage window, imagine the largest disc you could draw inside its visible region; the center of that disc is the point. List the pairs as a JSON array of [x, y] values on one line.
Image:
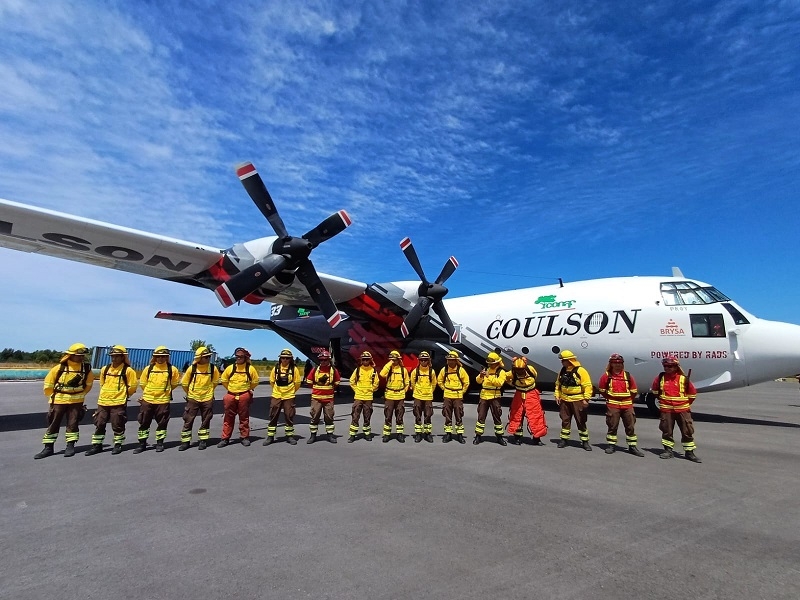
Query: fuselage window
[[738, 317], [707, 325], [688, 292]]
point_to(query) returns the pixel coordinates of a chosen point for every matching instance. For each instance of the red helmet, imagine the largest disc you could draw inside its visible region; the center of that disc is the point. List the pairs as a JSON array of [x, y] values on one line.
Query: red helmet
[[670, 360], [616, 358], [324, 355]]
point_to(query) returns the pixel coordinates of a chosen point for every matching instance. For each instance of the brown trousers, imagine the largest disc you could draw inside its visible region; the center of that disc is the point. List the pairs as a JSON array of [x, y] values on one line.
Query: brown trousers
[[148, 412], [685, 424], [396, 408], [190, 412], [289, 411], [422, 409], [484, 406], [55, 414], [360, 406], [613, 416], [577, 410], [453, 407], [117, 415], [317, 408]]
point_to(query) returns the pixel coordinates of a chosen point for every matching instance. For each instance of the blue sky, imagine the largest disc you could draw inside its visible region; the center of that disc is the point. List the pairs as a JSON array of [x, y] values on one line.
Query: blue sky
[[532, 140]]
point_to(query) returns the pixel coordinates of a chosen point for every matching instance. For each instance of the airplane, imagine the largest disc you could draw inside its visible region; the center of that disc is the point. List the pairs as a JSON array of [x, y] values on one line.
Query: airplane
[[643, 318]]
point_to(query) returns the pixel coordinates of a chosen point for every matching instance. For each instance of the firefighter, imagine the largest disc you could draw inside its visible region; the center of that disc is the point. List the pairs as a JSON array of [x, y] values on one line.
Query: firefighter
[[454, 381], [365, 382], [618, 387], [675, 396], [239, 379], [198, 383], [422, 381], [491, 378], [324, 381], [527, 403], [66, 385], [157, 382], [118, 383], [285, 379], [572, 393], [396, 377]]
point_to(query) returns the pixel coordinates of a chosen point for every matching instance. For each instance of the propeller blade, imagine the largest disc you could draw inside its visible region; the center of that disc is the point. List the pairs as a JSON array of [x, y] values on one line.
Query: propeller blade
[[250, 279], [307, 275], [413, 317], [440, 311], [408, 249], [448, 269], [256, 189], [330, 227]]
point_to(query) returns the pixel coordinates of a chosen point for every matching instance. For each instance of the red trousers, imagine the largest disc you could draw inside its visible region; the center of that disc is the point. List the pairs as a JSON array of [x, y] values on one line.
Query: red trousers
[[236, 404], [527, 405]]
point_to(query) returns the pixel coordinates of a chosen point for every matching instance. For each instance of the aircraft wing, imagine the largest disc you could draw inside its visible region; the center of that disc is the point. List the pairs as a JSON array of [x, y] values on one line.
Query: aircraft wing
[[231, 322], [31, 229]]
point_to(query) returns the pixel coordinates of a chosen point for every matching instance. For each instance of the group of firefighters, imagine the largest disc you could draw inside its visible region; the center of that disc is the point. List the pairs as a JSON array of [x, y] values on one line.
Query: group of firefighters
[[67, 384]]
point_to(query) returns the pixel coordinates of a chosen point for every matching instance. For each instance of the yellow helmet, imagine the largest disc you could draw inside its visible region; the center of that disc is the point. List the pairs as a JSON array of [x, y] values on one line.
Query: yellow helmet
[[520, 362], [394, 354], [453, 355], [77, 348], [202, 351], [161, 351], [117, 350], [365, 355], [569, 356], [286, 352], [493, 358], [424, 354]]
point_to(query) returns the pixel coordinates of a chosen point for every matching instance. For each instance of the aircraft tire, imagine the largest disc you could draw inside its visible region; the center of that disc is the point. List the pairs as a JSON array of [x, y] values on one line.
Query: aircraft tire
[[651, 400]]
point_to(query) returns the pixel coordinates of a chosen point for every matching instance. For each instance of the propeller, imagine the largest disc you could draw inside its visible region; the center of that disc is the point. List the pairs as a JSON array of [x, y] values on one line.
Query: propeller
[[287, 252], [430, 294]]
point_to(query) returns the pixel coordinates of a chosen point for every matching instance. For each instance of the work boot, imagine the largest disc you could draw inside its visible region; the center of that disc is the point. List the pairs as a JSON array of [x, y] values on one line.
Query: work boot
[[447, 437], [96, 448], [667, 453], [182, 447], [159, 445], [401, 437], [586, 446], [142, 447], [117, 449], [690, 455], [537, 441], [245, 441], [291, 440], [633, 449], [70, 450], [429, 438], [385, 439], [202, 445], [562, 443], [417, 438], [223, 442], [351, 439], [501, 440], [331, 438], [514, 440], [46, 451], [270, 439], [477, 440], [460, 438], [610, 449], [311, 438]]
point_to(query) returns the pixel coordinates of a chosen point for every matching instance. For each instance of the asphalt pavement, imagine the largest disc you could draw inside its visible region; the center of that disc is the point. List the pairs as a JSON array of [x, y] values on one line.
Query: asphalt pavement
[[414, 520]]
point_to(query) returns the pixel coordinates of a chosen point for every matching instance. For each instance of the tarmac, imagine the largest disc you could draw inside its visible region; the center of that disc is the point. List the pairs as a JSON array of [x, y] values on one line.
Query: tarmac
[[414, 520]]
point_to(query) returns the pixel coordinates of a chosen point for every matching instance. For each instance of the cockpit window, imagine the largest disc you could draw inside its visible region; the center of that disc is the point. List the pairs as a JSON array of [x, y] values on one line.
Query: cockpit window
[[688, 292], [738, 317], [707, 325]]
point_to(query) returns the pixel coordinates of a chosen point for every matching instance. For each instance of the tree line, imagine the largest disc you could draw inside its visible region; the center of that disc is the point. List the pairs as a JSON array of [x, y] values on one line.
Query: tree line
[[37, 356]]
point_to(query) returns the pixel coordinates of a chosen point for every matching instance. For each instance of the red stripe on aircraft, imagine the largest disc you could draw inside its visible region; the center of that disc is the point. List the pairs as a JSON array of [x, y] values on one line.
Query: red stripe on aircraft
[[224, 295], [346, 218], [454, 261], [246, 170], [404, 243], [335, 320]]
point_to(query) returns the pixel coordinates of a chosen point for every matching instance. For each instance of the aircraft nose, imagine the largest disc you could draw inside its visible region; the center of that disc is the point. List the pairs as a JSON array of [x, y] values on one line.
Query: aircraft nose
[[771, 350]]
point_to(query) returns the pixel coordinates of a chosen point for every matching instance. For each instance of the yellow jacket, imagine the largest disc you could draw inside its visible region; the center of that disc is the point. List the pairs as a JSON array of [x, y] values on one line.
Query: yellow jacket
[[157, 384], [201, 388], [236, 381], [422, 383], [525, 383], [285, 391], [117, 384], [364, 382], [454, 383], [582, 390], [65, 384], [492, 383], [396, 378]]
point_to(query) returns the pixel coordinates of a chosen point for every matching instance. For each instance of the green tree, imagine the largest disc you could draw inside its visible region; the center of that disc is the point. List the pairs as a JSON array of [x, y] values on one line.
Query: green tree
[[195, 344]]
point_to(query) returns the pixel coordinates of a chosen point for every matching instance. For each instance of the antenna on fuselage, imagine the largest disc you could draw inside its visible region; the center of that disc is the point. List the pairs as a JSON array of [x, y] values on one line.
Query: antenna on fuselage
[[560, 282], [676, 272]]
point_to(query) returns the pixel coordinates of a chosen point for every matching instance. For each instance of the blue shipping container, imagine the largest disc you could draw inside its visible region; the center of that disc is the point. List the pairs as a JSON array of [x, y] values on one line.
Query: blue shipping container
[[140, 357]]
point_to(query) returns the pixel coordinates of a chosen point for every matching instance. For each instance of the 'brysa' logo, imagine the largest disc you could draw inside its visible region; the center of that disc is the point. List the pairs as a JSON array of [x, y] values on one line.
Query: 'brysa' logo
[[550, 301], [672, 329]]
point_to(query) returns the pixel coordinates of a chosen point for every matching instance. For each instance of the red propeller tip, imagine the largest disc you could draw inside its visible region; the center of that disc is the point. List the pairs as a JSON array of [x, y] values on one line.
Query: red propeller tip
[[345, 218], [224, 295], [335, 320], [405, 243], [246, 170]]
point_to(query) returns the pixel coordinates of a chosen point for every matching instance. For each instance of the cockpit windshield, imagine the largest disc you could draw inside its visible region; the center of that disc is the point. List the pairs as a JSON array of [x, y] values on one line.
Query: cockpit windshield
[[688, 292]]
